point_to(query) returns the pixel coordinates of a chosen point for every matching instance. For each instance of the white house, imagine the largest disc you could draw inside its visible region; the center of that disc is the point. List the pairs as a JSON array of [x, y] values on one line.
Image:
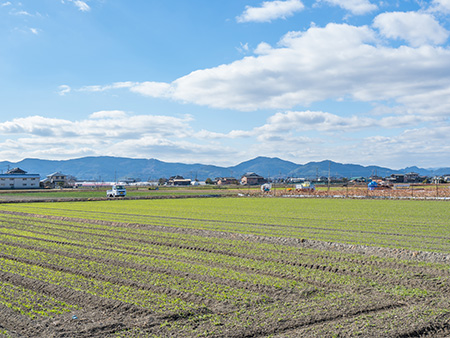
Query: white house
[[55, 180], [19, 179]]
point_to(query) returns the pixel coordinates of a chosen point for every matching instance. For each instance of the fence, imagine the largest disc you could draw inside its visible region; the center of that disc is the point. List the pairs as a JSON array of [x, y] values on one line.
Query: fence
[[438, 191]]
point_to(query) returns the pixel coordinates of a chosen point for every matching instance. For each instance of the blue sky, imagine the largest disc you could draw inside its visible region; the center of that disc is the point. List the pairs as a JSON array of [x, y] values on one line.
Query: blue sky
[[221, 82]]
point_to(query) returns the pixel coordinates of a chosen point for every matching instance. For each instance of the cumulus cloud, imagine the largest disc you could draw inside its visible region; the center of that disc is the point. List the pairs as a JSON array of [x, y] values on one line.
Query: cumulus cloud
[[294, 121], [294, 135], [415, 146], [335, 61], [33, 125], [270, 10], [416, 28], [286, 124], [304, 135], [114, 133], [356, 7], [103, 124], [441, 6], [433, 103]]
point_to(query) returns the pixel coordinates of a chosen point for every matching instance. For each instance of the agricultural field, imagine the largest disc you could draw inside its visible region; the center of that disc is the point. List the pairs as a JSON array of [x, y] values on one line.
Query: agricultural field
[[225, 267]]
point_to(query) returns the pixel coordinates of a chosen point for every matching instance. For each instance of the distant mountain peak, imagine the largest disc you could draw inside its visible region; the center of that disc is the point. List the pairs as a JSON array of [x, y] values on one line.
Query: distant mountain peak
[[109, 168]]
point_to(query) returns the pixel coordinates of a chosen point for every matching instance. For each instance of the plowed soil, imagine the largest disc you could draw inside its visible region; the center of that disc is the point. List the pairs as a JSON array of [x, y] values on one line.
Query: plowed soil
[[278, 287]]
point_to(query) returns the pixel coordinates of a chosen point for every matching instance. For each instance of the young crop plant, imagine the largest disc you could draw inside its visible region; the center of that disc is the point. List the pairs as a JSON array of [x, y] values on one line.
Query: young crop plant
[[229, 267], [160, 303], [31, 303], [368, 222]]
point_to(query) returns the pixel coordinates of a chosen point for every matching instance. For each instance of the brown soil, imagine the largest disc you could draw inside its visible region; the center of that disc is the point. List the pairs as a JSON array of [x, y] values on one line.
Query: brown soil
[[372, 314]]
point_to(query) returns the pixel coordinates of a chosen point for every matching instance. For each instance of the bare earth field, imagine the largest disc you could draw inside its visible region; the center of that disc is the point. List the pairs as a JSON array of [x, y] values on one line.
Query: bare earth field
[[225, 267]]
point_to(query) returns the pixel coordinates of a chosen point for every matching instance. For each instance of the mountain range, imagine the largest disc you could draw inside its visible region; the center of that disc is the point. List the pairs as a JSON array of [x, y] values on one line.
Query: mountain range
[[106, 168]]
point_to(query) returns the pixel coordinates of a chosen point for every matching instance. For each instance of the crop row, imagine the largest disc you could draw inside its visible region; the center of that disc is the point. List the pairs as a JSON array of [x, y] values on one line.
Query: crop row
[[295, 310], [229, 285], [260, 211], [180, 266], [265, 254], [164, 244], [419, 225], [90, 232], [31, 303], [261, 270], [139, 276], [160, 303]]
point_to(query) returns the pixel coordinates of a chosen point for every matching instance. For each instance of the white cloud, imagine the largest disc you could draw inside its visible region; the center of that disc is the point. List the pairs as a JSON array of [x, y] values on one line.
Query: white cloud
[[153, 89], [95, 88], [416, 28], [441, 6], [295, 121], [357, 7], [114, 133], [102, 124], [322, 63], [334, 62], [263, 48], [292, 135], [432, 103], [243, 48], [270, 10], [116, 85], [81, 5], [292, 124], [24, 13], [418, 146], [111, 114], [35, 31], [64, 89], [4, 4]]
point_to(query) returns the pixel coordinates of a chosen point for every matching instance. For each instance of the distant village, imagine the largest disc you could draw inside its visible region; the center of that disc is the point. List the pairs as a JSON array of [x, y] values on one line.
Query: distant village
[[18, 178]]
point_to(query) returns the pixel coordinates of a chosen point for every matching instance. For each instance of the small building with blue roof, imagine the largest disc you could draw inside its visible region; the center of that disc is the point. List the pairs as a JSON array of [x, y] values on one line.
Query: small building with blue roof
[[19, 179]]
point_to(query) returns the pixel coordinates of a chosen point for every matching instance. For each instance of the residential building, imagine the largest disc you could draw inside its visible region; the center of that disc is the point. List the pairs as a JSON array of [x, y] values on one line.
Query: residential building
[[55, 180], [405, 178], [252, 179], [396, 178], [19, 179], [226, 180], [413, 178], [178, 180]]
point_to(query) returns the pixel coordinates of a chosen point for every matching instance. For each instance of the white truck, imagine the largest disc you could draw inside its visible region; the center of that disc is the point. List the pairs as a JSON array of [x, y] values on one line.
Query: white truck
[[117, 191]]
